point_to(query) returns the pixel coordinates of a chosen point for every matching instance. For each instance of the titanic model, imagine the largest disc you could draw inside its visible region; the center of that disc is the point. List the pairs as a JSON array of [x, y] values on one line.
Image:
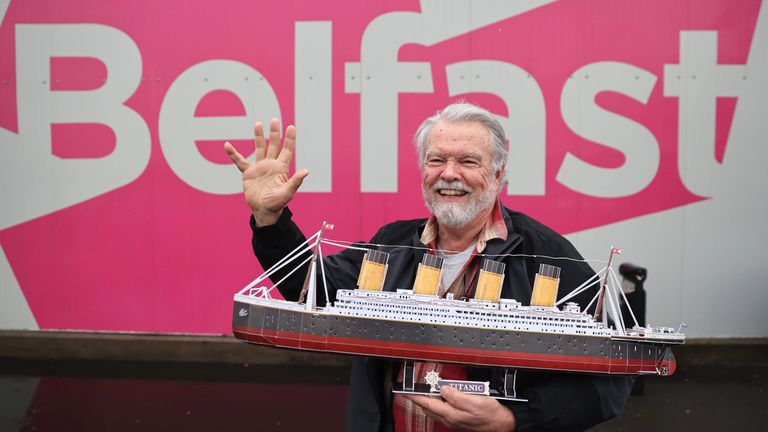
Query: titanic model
[[415, 324]]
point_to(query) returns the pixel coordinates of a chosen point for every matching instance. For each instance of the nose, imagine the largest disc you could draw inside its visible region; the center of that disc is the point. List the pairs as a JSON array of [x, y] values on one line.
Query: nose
[[450, 171]]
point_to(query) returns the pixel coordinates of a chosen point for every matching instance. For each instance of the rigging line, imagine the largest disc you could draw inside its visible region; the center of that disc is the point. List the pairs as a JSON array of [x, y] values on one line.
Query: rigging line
[[272, 270], [591, 301], [618, 284], [290, 273], [613, 303], [322, 272], [290, 257], [348, 244], [326, 241], [581, 288], [305, 242]]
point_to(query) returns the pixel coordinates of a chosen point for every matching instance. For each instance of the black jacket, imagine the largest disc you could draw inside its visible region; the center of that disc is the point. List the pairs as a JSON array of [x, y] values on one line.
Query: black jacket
[[557, 401]]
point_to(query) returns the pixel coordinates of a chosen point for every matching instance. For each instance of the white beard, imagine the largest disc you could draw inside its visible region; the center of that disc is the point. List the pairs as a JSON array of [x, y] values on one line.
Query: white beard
[[458, 215]]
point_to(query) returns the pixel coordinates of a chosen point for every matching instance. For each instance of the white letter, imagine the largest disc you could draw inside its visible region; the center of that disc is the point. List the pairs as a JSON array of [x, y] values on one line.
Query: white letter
[[697, 81], [313, 107], [525, 126], [380, 77], [590, 121], [179, 128], [35, 182]]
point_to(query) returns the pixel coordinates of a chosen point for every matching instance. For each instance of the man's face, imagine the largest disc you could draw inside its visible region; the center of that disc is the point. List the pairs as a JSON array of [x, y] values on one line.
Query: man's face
[[458, 183]]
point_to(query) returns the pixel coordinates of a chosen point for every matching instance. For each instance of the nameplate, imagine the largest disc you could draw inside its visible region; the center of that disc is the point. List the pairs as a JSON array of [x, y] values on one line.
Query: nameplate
[[468, 387]]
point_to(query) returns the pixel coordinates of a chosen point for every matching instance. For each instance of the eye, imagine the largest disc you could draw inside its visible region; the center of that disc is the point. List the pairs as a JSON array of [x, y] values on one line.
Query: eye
[[435, 162], [470, 163]]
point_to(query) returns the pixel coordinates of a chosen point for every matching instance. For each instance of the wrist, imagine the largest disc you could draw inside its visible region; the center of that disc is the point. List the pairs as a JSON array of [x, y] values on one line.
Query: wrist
[[508, 422], [266, 218]]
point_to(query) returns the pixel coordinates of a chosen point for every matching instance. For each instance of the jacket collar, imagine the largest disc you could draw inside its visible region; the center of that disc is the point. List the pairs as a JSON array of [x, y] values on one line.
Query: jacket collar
[[508, 245]]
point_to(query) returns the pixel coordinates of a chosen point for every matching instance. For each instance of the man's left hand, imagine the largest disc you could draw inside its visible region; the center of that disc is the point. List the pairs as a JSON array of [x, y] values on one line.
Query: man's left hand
[[466, 412]]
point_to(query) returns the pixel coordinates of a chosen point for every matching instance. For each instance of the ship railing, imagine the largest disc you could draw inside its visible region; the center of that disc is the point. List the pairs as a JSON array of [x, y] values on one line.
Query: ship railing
[[259, 292]]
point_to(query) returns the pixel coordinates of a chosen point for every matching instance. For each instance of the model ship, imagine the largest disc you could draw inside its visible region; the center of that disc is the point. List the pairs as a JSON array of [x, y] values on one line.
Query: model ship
[[415, 324]]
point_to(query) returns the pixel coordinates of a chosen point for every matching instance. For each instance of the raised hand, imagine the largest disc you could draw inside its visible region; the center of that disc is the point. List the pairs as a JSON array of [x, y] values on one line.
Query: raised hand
[[266, 185]]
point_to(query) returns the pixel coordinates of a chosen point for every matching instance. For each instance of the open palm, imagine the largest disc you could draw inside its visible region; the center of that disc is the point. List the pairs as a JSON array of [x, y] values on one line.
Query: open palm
[[266, 184]]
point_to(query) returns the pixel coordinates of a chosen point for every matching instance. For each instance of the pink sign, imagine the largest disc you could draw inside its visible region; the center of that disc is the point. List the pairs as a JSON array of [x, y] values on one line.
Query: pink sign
[[121, 211]]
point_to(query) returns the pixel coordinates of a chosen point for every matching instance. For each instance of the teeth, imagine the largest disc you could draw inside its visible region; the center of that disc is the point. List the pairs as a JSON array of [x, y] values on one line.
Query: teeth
[[452, 192]]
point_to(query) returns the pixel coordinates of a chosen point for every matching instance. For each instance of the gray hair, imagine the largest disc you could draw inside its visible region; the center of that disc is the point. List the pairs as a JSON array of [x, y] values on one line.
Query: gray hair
[[458, 112]]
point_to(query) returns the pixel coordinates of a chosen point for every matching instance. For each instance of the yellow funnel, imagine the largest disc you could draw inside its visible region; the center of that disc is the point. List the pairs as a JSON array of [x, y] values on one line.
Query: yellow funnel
[[545, 286], [428, 275], [490, 280], [373, 271]]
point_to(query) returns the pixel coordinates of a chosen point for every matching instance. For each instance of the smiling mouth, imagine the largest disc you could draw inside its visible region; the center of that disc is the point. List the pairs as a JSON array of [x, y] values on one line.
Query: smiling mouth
[[451, 192]]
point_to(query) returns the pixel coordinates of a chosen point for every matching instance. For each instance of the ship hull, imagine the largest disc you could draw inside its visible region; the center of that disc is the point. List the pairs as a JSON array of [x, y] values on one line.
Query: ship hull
[[324, 332]]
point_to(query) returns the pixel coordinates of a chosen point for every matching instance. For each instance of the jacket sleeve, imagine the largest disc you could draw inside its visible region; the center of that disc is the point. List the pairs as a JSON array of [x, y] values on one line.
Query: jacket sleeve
[[272, 243]]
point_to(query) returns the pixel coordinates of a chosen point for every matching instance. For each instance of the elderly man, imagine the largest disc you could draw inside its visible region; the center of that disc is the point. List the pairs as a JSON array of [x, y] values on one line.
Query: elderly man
[[462, 152]]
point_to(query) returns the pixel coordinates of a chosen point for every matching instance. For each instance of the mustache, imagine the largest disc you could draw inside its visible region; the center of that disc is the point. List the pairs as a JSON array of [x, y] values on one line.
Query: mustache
[[456, 185]]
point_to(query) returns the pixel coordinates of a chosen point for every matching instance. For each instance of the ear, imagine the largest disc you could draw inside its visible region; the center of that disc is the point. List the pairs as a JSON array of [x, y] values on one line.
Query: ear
[[499, 177]]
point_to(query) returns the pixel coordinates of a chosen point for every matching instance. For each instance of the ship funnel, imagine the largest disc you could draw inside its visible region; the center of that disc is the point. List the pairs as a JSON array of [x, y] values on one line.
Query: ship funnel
[[545, 286], [490, 280], [373, 271], [428, 275]]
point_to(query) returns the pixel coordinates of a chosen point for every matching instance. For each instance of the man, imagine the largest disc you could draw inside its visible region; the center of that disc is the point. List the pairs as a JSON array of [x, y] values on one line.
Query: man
[[462, 152]]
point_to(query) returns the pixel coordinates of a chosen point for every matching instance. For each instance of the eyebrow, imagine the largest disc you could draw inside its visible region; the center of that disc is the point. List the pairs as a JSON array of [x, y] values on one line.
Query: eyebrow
[[461, 156]]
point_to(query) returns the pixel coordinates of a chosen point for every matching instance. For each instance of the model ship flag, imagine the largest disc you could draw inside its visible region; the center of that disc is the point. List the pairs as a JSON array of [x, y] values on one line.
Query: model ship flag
[[545, 286], [428, 275], [490, 280], [373, 271]]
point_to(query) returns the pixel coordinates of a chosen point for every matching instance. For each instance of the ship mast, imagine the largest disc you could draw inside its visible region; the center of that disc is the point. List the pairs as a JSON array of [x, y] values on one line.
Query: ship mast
[[599, 309], [309, 290]]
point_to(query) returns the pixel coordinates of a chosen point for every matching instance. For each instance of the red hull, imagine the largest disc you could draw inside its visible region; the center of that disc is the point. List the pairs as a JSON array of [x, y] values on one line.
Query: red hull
[[335, 344]]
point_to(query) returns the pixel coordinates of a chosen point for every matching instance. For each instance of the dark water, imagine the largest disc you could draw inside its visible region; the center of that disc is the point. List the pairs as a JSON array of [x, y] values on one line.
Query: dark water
[[103, 396], [109, 396]]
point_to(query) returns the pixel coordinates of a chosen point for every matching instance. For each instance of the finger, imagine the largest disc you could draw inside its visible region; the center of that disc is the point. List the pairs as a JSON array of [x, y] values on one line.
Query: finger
[[240, 162], [260, 143], [297, 179], [450, 394], [418, 399], [458, 399], [289, 145], [434, 406], [273, 149]]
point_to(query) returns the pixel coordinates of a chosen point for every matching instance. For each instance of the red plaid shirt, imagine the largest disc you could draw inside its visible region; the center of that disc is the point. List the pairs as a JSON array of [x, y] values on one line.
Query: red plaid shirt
[[409, 417]]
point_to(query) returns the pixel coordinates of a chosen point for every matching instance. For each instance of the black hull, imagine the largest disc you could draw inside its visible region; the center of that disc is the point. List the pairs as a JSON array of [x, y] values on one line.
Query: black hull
[[319, 331]]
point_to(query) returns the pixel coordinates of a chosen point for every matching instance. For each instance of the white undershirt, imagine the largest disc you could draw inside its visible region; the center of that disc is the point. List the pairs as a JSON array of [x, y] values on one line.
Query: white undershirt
[[452, 265]]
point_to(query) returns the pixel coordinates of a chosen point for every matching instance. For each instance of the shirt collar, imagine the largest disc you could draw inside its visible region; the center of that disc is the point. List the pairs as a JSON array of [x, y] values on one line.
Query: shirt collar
[[494, 228]]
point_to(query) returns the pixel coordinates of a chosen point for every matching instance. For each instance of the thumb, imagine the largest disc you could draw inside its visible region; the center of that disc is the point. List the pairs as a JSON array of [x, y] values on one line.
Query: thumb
[[297, 179], [240, 162], [453, 396]]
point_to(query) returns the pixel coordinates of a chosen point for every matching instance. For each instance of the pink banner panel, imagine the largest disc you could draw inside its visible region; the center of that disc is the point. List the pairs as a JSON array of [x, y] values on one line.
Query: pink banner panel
[[127, 215]]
